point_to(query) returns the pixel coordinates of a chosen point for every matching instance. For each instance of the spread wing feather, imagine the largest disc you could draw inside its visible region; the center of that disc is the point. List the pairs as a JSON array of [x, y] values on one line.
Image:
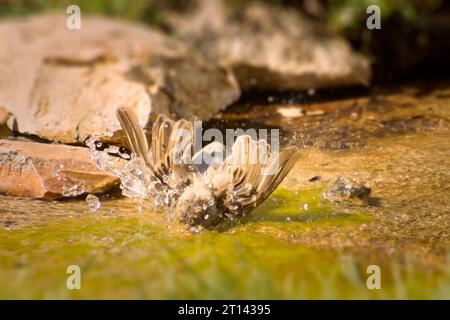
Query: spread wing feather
[[241, 180], [134, 134], [168, 148], [286, 160]]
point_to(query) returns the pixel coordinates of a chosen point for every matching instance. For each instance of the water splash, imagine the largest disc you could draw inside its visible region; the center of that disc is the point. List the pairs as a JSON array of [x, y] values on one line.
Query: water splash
[[137, 181], [93, 202]]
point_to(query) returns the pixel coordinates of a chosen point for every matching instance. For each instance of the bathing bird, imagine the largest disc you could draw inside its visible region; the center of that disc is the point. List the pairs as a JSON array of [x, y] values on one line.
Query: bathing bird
[[209, 194]]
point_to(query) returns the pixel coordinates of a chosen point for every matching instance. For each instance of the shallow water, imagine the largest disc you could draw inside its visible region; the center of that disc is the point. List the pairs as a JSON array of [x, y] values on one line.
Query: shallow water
[[126, 254], [410, 180], [293, 246]]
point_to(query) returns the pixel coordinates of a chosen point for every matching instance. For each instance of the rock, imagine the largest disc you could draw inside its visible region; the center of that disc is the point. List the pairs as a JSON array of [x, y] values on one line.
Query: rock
[[49, 171], [65, 85], [4, 116], [270, 47], [346, 190]]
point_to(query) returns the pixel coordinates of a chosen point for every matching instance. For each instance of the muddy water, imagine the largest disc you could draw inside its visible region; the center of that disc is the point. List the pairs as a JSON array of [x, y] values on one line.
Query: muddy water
[[294, 246]]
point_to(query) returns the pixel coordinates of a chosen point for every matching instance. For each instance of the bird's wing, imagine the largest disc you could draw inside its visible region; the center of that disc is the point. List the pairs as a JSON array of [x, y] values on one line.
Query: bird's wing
[[279, 168], [135, 135], [178, 155], [171, 148], [247, 158], [161, 131], [241, 181]]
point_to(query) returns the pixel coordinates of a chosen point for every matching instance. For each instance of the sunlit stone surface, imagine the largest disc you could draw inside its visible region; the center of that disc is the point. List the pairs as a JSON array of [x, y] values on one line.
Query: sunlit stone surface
[[41, 170]]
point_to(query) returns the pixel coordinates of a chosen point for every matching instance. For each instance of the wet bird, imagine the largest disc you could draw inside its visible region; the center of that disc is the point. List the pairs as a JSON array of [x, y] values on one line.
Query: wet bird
[[207, 195]]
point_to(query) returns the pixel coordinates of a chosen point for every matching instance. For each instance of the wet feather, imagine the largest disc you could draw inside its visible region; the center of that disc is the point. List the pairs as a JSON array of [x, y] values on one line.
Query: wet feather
[[215, 193]]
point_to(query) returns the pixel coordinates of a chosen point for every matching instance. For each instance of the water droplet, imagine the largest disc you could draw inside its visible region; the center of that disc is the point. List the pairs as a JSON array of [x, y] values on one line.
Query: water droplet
[[93, 202]]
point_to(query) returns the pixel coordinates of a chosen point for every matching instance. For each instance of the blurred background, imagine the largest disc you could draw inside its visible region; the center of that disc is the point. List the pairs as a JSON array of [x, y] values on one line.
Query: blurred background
[[412, 42]]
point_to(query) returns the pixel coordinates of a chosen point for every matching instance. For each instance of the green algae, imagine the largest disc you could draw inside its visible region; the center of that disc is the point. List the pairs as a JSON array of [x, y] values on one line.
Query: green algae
[[129, 255], [300, 207]]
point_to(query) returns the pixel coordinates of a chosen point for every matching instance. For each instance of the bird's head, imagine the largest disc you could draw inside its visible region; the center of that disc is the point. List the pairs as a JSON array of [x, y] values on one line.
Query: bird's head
[[197, 206]]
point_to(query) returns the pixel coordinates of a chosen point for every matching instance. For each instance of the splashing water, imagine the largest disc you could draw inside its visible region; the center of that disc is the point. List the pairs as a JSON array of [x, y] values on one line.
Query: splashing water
[[137, 181], [93, 202]]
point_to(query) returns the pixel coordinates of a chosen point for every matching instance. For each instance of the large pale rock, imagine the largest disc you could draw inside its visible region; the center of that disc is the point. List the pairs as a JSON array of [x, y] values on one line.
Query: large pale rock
[[271, 47], [40, 170], [66, 85]]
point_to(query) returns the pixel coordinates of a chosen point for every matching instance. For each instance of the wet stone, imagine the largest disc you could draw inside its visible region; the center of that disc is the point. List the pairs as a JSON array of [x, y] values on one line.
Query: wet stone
[[346, 190], [50, 171], [332, 121]]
